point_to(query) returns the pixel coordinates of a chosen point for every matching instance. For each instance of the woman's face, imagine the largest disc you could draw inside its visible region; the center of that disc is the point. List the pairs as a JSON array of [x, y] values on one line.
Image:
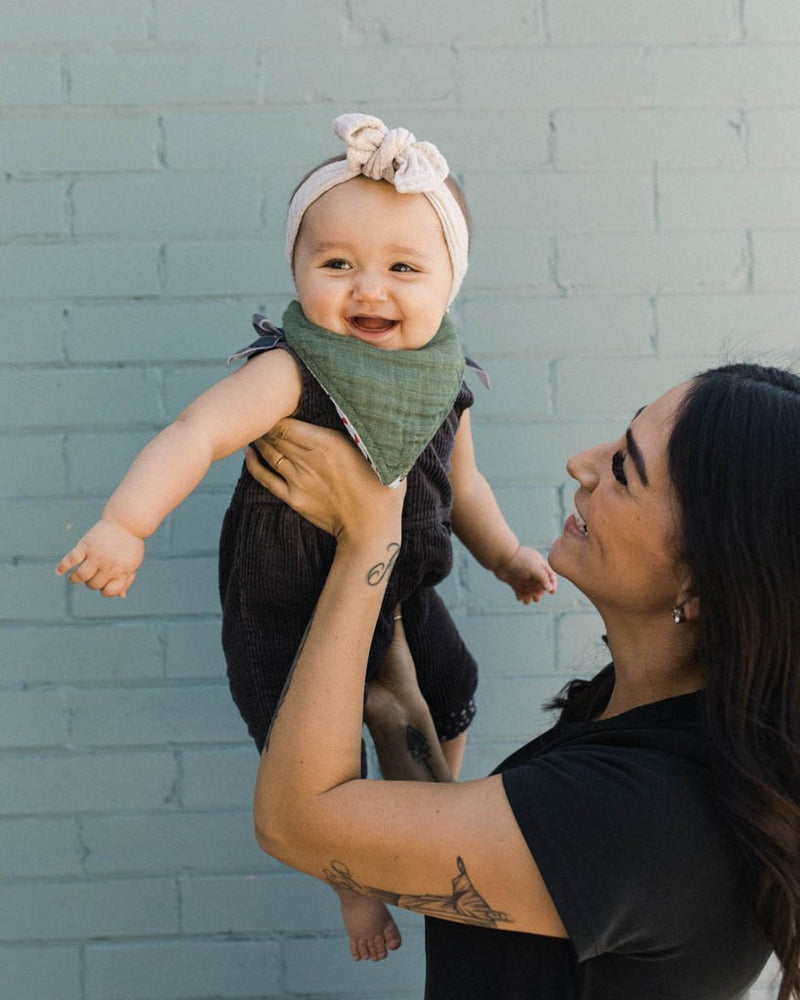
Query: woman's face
[[619, 545]]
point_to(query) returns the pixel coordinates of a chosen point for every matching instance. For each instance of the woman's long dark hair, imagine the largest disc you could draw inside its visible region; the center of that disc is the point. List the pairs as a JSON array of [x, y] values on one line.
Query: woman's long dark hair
[[734, 461]]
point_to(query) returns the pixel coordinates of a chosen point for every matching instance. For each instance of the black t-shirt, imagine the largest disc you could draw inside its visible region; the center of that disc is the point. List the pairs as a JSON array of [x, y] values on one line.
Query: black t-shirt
[[644, 872]]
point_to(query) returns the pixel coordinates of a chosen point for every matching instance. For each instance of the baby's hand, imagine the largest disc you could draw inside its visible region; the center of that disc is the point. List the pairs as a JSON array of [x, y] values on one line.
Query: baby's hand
[[107, 558], [528, 574]]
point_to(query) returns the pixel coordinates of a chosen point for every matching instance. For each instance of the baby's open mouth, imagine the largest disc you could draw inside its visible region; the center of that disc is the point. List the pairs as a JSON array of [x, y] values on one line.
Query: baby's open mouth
[[373, 324]]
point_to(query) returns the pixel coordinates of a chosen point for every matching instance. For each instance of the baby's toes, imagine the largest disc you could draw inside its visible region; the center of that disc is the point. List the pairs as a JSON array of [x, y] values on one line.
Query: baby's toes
[[391, 935], [377, 948]]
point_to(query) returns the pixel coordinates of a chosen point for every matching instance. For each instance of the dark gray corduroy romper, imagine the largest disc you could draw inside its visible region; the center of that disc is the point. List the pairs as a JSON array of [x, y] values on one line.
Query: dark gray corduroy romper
[[273, 564]]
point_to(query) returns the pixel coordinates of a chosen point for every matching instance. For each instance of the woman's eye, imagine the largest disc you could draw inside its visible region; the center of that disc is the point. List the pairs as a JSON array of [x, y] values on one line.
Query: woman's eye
[[618, 467], [403, 268]]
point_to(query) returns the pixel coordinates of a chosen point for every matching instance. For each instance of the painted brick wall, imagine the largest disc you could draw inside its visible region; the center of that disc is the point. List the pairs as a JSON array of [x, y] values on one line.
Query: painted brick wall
[[633, 170]]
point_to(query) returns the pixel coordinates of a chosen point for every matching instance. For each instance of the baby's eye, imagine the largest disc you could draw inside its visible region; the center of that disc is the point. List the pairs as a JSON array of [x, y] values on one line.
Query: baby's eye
[[402, 268], [618, 467], [336, 264]]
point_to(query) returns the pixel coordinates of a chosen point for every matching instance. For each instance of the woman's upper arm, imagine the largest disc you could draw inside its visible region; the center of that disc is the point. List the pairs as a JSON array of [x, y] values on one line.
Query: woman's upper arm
[[453, 851], [248, 402]]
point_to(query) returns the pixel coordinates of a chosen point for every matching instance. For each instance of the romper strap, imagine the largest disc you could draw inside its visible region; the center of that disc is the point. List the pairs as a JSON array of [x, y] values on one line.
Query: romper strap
[[482, 374], [270, 336]]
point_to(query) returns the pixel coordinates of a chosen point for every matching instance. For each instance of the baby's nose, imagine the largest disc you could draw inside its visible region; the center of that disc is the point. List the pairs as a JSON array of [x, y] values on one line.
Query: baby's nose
[[370, 286]]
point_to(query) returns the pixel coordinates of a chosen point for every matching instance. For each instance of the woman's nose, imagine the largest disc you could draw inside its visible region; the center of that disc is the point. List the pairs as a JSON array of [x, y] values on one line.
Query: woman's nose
[[584, 467]]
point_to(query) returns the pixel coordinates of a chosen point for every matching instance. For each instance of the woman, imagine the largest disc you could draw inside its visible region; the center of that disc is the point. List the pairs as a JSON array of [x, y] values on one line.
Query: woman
[[649, 845]]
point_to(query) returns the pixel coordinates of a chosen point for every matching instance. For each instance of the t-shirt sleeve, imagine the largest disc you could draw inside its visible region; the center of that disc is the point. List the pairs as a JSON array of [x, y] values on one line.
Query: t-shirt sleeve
[[628, 844]]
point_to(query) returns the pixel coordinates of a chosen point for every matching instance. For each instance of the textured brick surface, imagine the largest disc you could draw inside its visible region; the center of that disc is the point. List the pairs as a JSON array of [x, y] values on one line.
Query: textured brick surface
[[30, 972], [641, 137], [47, 145], [33, 209], [632, 170], [774, 139], [183, 970], [659, 22]]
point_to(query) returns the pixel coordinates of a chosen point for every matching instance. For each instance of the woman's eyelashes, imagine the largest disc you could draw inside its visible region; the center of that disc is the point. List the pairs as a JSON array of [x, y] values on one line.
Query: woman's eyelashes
[[618, 467]]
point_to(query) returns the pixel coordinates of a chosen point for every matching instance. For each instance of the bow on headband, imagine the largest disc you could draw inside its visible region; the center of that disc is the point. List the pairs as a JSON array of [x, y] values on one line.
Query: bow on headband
[[392, 155]]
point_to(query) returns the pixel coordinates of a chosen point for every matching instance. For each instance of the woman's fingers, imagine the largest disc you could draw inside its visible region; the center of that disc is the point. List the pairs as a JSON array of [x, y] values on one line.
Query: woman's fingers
[[321, 474], [274, 483], [268, 450], [289, 433], [290, 438]]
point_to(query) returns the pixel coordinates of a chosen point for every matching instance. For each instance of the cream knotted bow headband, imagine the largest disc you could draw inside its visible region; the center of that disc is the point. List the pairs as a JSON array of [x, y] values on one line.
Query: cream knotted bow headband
[[392, 155]]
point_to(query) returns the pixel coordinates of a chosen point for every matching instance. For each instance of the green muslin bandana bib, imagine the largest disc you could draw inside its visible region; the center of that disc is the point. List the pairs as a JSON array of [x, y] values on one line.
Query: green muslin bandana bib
[[392, 402]]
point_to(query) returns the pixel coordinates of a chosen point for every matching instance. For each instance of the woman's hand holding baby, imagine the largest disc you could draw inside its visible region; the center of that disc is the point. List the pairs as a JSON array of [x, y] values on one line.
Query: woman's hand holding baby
[[320, 474], [105, 559]]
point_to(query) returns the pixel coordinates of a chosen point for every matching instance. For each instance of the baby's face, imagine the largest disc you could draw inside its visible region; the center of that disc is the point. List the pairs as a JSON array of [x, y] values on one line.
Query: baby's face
[[373, 264]]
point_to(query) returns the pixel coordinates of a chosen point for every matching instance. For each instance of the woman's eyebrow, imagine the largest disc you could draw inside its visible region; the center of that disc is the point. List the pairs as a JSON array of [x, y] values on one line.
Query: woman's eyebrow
[[638, 459]]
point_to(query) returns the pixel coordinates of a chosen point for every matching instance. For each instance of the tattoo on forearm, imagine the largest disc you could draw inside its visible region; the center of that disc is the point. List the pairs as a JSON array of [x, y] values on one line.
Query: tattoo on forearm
[[464, 905], [285, 690], [420, 750], [381, 570]]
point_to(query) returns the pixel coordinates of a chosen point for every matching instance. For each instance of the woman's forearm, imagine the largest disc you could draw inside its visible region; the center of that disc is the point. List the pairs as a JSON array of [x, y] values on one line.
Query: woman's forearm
[[314, 744]]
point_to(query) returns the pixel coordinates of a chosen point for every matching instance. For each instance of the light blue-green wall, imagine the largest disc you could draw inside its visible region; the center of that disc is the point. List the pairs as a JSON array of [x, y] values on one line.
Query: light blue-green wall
[[634, 175]]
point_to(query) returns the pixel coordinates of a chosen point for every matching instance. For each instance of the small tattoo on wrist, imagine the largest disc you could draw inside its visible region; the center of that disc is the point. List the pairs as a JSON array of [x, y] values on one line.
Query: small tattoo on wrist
[[381, 570]]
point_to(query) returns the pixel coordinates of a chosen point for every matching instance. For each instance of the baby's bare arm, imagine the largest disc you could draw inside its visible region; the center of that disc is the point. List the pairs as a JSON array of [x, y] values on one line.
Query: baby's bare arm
[[477, 518], [481, 526], [226, 417]]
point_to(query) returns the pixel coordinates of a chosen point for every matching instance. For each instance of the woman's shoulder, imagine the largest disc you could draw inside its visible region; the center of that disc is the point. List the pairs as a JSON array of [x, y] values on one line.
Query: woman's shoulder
[[621, 819], [641, 778]]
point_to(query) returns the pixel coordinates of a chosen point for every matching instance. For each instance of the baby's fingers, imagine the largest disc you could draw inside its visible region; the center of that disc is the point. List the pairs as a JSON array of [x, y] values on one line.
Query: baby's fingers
[[118, 586], [84, 572], [73, 558]]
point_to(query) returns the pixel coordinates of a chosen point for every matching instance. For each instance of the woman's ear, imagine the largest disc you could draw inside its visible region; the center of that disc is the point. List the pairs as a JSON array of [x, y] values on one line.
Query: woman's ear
[[691, 609], [687, 601]]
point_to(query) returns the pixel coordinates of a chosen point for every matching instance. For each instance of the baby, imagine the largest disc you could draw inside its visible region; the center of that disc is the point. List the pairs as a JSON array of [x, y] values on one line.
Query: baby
[[377, 242]]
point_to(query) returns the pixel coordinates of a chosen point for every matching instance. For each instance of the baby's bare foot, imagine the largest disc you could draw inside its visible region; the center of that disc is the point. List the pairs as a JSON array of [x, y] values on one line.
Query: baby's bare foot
[[372, 930]]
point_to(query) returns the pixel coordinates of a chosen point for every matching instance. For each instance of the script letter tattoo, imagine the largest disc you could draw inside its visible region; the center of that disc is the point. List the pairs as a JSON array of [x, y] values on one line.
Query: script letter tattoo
[[464, 905], [381, 570]]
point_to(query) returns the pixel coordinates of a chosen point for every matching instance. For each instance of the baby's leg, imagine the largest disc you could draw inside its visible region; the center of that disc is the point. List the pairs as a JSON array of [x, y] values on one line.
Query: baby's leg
[[370, 926], [446, 671], [453, 751]]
